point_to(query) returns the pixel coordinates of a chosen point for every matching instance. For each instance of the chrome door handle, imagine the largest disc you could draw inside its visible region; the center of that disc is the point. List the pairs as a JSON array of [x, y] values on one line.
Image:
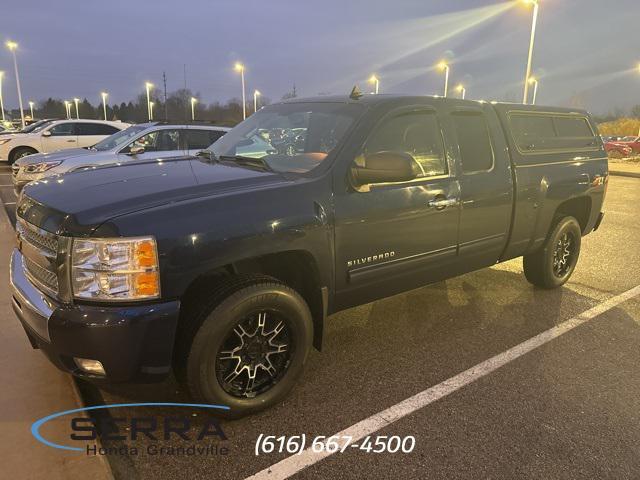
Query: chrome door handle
[[442, 203]]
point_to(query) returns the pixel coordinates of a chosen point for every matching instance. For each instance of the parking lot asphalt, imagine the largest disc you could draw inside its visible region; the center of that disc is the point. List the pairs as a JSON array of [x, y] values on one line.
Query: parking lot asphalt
[[568, 409]]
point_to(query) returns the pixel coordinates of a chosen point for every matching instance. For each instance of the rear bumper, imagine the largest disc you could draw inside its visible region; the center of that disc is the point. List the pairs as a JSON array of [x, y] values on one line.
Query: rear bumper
[[133, 343], [598, 221]]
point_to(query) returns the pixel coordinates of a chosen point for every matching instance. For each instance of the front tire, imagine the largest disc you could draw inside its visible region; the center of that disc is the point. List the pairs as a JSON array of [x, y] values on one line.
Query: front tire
[[553, 264], [251, 348], [20, 152]]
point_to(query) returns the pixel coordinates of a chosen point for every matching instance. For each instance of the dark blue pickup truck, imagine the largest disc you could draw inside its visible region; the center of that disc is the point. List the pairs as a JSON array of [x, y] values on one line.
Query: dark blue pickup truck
[[223, 267]]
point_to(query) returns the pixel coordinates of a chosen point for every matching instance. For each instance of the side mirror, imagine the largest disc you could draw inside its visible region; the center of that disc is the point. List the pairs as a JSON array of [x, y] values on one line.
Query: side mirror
[[136, 150], [46, 133], [383, 167]]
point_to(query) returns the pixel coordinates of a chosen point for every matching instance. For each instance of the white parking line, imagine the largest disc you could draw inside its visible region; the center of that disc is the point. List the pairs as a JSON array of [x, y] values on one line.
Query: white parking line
[[292, 465]]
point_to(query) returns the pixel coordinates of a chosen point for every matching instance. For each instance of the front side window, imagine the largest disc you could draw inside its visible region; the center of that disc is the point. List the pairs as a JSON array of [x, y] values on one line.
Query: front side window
[[158, 141], [288, 137], [63, 129], [118, 139], [415, 133], [474, 142]]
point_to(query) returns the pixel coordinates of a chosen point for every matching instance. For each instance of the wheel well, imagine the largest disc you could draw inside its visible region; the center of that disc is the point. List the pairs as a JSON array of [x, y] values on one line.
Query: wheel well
[[579, 207], [15, 149], [297, 269]]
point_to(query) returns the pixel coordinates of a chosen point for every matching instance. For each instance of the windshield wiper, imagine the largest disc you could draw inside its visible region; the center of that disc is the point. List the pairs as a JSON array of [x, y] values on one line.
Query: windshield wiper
[[248, 161]]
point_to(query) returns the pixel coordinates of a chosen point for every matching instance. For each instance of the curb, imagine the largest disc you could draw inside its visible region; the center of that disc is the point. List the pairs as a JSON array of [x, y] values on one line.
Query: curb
[[625, 174]]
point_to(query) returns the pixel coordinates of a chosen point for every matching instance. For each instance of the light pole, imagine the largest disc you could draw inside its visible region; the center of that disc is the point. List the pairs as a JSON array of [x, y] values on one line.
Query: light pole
[[104, 96], [256, 94], [149, 86], [531, 41], [31, 104], [77, 101], [443, 66], [193, 108], [13, 46], [460, 88], [239, 67], [67, 106], [151, 104], [534, 81], [1, 101], [376, 81]]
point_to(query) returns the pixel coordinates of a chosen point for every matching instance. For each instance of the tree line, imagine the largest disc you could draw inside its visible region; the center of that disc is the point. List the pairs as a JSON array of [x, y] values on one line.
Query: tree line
[[176, 108]]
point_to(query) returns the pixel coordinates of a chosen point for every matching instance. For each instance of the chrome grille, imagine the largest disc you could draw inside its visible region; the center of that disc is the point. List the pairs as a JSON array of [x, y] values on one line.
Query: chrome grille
[[41, 277], [38, 238], [40, 258], [15, 169]]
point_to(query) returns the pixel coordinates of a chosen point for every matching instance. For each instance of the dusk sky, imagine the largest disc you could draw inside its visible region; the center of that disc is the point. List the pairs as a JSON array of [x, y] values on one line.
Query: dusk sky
[[585, 52]]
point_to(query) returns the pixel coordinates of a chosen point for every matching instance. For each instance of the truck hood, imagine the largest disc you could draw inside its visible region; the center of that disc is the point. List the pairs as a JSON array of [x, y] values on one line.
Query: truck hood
[[75, 204]]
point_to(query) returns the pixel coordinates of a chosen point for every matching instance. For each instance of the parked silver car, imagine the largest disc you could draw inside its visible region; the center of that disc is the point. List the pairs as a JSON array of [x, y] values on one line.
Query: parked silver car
[[138, 142]]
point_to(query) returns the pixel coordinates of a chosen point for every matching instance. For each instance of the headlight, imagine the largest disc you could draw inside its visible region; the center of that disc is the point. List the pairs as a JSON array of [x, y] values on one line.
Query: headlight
[[116, 269], [41, 167]]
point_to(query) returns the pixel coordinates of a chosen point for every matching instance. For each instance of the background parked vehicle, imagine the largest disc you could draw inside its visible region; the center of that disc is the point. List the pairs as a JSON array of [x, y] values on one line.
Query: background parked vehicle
[[137, 142], [56, 135], [226, 271], [618, 150], [633, 142]]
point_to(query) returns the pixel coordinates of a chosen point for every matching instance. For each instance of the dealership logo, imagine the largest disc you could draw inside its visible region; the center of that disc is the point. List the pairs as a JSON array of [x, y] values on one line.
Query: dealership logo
[[107, 428]]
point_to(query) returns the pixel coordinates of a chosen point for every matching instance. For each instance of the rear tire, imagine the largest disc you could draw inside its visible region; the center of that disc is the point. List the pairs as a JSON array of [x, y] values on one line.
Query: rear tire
[[251, 345], [20, 152], [552, 265]]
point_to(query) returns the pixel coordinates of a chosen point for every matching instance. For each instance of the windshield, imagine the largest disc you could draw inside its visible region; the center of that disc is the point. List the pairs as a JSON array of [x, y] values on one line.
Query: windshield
[[293, 137], [36, 127], [120, 138]]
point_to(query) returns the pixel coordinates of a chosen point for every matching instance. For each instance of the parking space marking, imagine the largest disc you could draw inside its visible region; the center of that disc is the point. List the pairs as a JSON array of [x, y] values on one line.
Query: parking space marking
[[294, 464]]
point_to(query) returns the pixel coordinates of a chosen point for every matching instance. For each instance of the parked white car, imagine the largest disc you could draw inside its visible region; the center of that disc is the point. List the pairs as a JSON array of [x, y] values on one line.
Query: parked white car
[[153, 140], [57, 135]]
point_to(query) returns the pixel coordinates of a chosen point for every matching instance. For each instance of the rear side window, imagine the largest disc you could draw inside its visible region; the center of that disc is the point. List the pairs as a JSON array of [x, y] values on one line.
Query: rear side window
[[95, 129], [200, 139], [415, 133], [546, 132], [474, 142]]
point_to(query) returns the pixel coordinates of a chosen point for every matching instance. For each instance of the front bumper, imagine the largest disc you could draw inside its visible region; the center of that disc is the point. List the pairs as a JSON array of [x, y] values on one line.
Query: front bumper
[[133, 342]]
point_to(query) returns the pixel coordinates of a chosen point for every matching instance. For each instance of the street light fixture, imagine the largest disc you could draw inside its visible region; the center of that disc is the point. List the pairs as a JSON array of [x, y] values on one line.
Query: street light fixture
[[13, 46], [239, 67], [460, 88], [1, 100], [444, 66], [31, 104], [376, 81], [256, 94], [193, 108], [77, 101], [67, 106], [149, 86], [104, 96], [531, 41], [534, 81]]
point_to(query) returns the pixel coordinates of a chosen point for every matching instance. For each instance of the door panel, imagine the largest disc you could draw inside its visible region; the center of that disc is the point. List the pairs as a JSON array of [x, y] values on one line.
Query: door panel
[[486, 187], [394, 237], [63, 136]]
